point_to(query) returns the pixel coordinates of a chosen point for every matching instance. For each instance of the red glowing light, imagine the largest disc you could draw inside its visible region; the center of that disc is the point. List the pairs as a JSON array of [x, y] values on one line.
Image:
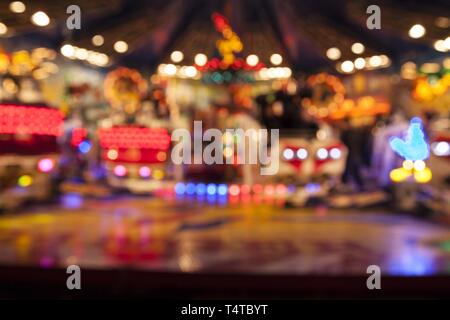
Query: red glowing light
[[78, 136], [46, 165], [134, 137], [257, 188], [269, 190], [30, 120], [245, 189], [281, 189]]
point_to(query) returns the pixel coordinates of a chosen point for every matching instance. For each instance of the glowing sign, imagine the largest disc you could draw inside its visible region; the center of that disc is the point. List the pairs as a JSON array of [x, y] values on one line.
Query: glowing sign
[[414, 147], [230, 43]]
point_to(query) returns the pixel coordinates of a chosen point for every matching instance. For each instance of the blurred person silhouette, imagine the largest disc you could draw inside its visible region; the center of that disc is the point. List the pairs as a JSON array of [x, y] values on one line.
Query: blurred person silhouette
[[354, 136]]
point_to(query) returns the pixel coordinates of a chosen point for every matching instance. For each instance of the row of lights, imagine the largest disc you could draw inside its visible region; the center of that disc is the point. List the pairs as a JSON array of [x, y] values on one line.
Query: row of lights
[[369, 63], [409, 69], [274, 73], [119, 46], [321, 154], [144, 172], [442, 45], [93, 57], [417, 31], [335, 54], [180, 71], [201, 59], [39, 18], [190, 72], [222, 189], [44, 165]]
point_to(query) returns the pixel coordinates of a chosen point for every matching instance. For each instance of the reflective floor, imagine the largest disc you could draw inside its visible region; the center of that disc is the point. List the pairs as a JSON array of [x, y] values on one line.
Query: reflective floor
[[191, 236]]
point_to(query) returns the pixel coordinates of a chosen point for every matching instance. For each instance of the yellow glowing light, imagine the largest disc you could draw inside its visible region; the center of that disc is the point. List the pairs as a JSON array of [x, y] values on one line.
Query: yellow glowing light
[[423, 176], [112, 154], [158, 174], [419, 165], [399, 174], [408, 165], [25, 181]]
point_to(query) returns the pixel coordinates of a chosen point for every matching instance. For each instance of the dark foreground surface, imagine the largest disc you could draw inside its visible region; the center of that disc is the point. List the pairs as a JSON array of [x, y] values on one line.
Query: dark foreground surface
[[162, 248]]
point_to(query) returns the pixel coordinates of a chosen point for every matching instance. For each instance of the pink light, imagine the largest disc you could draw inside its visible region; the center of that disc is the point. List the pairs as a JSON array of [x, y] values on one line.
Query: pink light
[[281, 189], [234, 190], [46, 165], [145, 172], [269, 190], [120, 170], [257, 188], [245, 189]]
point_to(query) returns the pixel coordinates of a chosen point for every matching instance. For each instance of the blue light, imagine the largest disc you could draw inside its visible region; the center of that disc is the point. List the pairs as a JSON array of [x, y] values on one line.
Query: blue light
[[222, 189], [180, 188], [312, 187], [291, 188], [72, 201], [84, 147], [190, 188], [201, 189], [211, 189], [414, 147]]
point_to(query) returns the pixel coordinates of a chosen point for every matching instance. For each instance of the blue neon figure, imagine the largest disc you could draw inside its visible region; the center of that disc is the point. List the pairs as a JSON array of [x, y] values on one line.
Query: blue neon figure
[[414, 147]]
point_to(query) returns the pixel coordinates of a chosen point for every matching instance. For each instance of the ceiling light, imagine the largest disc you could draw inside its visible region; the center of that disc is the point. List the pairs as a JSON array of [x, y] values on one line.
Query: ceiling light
[[98, 40], [358, 48], [40, 18], [333, 53], [276, 59], [17, 7], [417, 31], [440, 46], [347, 66], [67, 50], [360, 63], [121, 46], [375, 61], [3, 28], [176, 56], [252, 60], [442, 22], [200, 59]]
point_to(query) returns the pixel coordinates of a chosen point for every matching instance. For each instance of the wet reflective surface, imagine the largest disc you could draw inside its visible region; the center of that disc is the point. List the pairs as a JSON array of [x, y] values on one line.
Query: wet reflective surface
[[193, 236]]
